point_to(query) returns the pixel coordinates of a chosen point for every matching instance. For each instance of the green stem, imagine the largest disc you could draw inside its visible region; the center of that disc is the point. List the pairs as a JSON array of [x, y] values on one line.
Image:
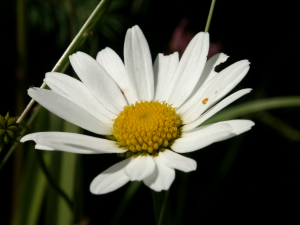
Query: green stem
[[52, 181], [63, 62], [84, 32], [159, 205], [123, 205], [212, 6], [163, 208], [253, 107]]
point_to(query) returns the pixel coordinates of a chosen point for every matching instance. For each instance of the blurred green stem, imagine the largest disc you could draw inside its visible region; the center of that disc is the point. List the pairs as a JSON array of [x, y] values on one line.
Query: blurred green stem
[[84, 32], [254, 106], [163, 208], [159, 204], [282, 127], [52, 181], [212, 6], [131, 190], [63, 62]]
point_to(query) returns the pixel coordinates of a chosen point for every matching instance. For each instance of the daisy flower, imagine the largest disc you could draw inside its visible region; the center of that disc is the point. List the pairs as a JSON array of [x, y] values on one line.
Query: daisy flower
[[152, 112]]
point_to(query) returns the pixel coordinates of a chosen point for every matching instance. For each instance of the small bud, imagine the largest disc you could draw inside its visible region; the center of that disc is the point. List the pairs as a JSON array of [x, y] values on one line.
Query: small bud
[[9, 130]]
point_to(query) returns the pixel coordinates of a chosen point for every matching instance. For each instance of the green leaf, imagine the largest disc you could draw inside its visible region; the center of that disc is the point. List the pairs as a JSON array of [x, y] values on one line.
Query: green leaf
[[253, 107], [33, 184], [65, 172], [32, 190], [1, 131]]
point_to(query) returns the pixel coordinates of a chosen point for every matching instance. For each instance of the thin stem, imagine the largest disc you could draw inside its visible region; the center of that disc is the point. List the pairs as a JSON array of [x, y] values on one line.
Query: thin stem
[[123, 205], [163, 208], [52, 181], [156, 204], [159, 204], [80, 37], [63, 62], [212, 6]]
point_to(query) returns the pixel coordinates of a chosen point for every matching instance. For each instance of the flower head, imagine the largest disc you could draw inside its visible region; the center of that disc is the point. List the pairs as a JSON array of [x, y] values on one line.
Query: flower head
[[152, 111]]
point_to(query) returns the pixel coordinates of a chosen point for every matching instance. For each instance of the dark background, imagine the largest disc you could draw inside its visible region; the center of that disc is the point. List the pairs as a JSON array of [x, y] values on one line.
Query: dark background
[[254, 176]]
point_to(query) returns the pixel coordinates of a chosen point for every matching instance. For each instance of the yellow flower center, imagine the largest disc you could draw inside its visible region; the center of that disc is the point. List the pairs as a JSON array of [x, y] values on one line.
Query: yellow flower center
[[147, 127]]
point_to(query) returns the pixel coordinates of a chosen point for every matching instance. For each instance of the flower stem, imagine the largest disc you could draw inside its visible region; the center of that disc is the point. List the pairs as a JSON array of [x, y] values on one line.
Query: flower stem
[[212, 6], [159, 204], [63, 62], [163, 208], [123, 205], [82, 35]]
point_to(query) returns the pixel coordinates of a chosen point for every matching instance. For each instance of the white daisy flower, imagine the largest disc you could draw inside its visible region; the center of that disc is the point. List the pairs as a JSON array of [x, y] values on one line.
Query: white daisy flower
[[152, 111]]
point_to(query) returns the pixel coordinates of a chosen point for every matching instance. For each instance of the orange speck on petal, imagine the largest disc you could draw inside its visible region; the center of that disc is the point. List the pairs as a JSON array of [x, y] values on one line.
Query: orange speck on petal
[[204, 101]]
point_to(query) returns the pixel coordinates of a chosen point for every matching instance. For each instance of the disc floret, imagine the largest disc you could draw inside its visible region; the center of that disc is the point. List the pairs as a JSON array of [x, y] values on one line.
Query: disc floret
[[147, 127]]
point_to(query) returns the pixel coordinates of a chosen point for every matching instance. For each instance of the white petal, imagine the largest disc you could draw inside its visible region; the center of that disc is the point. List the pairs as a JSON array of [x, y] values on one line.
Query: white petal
[[68, 110], [238, 127], [189, 70], [201, 137], [138, 62], [110, 179], [98, 82], [219, 106], [71, 142], [42, 147], [75, 91], [209, 71], [164, 68], [233, 80], [113, 64], [140, 167], [161, 178], [214, 90], [176, 161]]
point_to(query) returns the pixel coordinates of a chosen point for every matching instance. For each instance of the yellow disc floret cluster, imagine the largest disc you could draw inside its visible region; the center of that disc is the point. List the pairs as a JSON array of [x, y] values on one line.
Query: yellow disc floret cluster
[[147, 126]]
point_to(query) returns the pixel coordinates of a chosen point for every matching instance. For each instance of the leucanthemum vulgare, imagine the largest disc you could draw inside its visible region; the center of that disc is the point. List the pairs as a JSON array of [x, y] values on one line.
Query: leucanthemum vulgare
[[152, 112]]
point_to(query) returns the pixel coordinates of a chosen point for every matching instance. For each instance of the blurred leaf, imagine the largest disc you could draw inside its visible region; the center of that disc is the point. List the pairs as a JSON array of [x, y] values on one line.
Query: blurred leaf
[[123, 205], [139, 6], [279, 125], [67, 179], [33, 184], [56, 124], [64, 17], [254, 106], [63, 62]]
